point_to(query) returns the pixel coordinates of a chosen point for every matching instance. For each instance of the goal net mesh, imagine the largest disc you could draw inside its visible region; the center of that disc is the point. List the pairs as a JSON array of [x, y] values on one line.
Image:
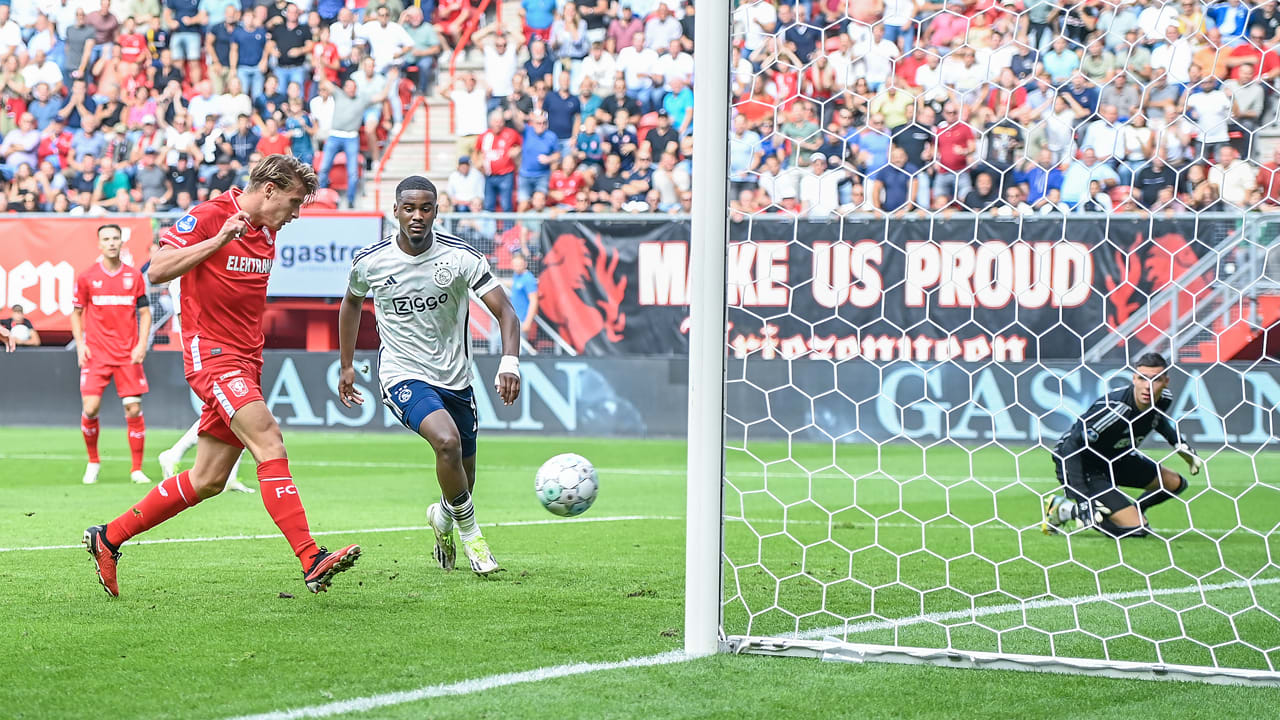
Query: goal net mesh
[[925, 293]]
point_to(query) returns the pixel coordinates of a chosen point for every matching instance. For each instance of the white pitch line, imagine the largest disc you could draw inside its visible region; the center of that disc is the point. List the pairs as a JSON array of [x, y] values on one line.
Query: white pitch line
[[362, 531], [975, 613], [465, 687], [823, 474], [984, 526]]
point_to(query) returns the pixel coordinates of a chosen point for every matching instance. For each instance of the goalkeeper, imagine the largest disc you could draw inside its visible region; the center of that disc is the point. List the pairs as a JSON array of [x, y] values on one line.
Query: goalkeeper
[[1100, 452]]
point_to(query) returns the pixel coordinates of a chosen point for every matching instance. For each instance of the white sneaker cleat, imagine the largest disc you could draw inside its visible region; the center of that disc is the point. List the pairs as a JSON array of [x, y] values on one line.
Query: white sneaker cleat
[[234, 485], [169, 460], [91, 473], [445, 552], [139, 477], [482, 562]]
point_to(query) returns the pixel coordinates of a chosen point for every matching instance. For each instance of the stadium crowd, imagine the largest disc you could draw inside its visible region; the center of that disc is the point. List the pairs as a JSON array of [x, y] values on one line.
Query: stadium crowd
[[1010, 107], [895, 106], [143, 105]]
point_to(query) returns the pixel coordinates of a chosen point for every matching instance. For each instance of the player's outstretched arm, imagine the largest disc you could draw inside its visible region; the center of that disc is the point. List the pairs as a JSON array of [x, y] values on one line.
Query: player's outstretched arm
[[144, 333], [508, 380], [170, 262], [1170, 433], [348, 329]]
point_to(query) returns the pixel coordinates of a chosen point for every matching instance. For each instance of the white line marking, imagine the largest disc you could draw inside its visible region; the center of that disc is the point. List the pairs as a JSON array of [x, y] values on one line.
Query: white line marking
[[975, 613], [1170, 531], [828, 473], [465, 687], [363, 531]]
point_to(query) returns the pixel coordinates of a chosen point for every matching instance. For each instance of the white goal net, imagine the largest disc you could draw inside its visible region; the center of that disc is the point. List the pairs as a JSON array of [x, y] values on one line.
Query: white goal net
[[952, 228]]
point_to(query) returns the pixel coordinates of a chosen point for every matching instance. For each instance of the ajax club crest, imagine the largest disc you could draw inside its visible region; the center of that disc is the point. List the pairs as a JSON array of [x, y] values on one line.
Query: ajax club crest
[[443, 276]]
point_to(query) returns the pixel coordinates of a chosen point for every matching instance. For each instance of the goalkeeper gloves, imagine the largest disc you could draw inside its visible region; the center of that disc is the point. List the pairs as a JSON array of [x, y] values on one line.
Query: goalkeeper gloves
[[1193, 460]]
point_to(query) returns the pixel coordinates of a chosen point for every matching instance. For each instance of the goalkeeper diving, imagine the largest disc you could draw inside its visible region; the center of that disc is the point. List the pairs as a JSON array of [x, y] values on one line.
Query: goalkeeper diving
[[1099, 454]]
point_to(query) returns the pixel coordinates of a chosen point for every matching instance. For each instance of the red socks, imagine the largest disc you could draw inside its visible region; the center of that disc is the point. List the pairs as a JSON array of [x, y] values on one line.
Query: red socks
[[137, 438], [280, 496], [170, 497], [89, 428]]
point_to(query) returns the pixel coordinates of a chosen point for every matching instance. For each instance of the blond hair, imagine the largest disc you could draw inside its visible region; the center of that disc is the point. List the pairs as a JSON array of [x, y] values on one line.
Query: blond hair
[[285, 172]]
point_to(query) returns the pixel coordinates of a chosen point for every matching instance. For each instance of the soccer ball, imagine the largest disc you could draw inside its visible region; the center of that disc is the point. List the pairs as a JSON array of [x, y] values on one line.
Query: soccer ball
[[566, 485]]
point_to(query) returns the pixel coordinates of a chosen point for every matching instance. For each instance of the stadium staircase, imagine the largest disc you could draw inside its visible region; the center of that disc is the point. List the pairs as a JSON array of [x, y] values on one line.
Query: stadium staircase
[[427, 145]]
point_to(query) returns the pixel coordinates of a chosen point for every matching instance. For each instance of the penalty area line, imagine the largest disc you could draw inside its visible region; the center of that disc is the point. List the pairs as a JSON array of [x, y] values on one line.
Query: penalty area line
[[466, 687], [360, 531]]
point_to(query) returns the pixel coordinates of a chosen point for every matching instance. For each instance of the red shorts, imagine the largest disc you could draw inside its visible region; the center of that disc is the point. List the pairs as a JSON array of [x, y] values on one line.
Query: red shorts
[[131, 381], [225, 388]]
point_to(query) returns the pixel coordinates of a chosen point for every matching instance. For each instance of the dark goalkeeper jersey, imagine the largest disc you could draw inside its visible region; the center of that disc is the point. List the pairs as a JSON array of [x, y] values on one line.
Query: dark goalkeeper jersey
[[1113, 426]]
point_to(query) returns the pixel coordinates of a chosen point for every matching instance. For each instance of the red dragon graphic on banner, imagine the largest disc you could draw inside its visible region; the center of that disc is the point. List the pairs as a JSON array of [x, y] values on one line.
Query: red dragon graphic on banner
[[579, 291], [1147, 267]]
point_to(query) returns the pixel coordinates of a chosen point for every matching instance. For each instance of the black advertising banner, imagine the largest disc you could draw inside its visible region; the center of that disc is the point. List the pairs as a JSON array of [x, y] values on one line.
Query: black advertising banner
[[970, 289]]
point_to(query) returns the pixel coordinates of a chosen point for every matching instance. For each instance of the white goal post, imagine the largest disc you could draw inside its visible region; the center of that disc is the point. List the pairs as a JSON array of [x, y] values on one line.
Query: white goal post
[[874, 495]]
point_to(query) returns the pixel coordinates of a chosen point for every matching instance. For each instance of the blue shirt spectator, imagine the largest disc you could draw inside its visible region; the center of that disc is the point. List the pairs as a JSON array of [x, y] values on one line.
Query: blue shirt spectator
[[252, 44], [561, 111], [87, 143], [1039, 181], [591, 145], [45, 110], [743, 144], [300, 142], [876, 144], [678, 105], [1060, 62], [1086, 94], [897, 185], [1075, 181], [222, 39], [537, 142], [1231, 18], [182, 10], [539, 14], [524, 286]]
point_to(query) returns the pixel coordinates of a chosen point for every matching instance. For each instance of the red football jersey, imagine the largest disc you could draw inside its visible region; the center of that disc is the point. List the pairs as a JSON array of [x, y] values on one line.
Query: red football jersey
[[110, 302], [224, 297]]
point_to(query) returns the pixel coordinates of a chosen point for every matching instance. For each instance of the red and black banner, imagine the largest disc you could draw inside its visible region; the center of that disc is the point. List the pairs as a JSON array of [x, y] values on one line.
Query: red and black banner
[[972, 289]]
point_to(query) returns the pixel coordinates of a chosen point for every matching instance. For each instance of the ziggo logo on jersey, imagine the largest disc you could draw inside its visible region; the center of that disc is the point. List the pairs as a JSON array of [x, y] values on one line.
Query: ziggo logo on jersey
[[418, 303]]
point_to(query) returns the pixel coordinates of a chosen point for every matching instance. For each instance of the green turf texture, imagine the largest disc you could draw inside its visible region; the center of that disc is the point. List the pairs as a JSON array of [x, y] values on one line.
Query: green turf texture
[[201, 629]]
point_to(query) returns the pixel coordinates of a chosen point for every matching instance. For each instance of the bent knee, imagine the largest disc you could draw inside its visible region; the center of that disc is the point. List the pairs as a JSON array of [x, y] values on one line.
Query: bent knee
[[447, 446]]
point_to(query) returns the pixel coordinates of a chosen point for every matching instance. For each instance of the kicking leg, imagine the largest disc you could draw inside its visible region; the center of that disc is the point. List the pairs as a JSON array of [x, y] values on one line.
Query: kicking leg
[[89, 406], [254, 425], [170, 497]]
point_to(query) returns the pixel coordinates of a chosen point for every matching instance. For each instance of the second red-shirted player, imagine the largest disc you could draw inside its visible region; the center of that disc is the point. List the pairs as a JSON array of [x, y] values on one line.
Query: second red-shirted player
[[111, 322], [223, 250]]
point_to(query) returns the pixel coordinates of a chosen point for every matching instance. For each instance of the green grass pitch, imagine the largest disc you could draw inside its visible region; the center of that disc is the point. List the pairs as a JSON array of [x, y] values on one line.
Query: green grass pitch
[[848, 540]]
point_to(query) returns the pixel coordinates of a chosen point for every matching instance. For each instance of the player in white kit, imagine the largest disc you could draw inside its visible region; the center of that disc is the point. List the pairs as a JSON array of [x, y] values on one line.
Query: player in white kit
[[421, 280]]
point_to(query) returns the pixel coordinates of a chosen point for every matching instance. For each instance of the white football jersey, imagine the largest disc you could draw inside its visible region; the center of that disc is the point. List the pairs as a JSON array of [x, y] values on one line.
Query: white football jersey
[[423, 307]]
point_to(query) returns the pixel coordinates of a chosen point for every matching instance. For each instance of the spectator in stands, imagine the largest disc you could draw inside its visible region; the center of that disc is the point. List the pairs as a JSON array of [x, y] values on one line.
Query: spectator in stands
[[1081, 172], [344, 32], [23, 332], [377, 87], [565, 183], [291, 45], [465, 184], [537, 17], [500, 63], [678, 105], [540, 151], [894, 187], [249, 54], [569, 41], [427, 47], [1236, 181], [499, 149], [185, 41], [111, 189], [623, 29], [344, 135], [389, 44], [984, 195], [524, 294], [77, 47], [639, 67], [217, 46], [601, 67], [564, 113], [589, 147]]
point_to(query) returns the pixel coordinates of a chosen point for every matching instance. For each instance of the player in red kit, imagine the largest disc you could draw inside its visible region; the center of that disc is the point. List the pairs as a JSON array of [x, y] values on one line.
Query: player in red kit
[[223, 250], [111, 321]]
